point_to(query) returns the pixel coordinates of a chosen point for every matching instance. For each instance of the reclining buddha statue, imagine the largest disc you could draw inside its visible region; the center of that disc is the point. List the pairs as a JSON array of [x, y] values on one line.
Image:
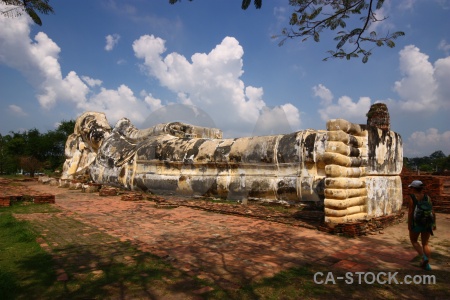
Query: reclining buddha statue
[[352, 169]]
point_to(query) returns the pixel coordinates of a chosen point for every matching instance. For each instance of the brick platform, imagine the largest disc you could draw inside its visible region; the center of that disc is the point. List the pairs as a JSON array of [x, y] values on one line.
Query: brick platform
[[5, 201], [43, 198], [108, 191], [365, 227], [132, 197], [15, 193]]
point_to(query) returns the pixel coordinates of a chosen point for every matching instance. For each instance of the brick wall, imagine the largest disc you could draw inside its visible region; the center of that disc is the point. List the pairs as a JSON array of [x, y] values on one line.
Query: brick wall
[[14, 193], [437, 187]]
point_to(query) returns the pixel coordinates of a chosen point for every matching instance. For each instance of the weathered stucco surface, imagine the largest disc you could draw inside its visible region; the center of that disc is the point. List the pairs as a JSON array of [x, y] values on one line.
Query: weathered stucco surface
[[352, 169]]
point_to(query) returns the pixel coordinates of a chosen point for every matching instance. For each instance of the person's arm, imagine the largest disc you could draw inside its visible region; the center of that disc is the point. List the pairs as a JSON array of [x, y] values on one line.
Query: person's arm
[[410, 213], [434, 214]]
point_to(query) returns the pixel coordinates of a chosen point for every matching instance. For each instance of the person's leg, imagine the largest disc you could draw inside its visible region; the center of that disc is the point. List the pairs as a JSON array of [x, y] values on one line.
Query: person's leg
[[413, 237], [425, 236]]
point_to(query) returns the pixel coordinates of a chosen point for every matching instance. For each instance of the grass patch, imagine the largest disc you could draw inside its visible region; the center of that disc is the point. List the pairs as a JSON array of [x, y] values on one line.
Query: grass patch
[[25, 269], [294, 283], [13, 176], [26, 207]]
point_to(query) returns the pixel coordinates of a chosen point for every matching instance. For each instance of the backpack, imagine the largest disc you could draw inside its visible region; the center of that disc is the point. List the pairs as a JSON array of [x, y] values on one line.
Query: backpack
[[423, 212]]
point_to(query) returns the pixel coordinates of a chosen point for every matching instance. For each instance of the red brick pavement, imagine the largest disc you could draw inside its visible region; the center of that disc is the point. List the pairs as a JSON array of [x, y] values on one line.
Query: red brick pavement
[[217, 246]]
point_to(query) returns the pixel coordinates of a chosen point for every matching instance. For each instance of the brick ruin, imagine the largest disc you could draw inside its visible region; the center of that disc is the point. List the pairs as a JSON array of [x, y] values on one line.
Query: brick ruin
[[10, 194], [437, 187]]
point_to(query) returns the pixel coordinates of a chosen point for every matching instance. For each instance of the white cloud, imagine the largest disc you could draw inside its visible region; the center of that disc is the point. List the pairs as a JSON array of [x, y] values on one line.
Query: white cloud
[[345, 108], [152, 102], [442, 77], [406, 4], [91, 82], [422, 143], [292, 115], [17, 110], [323, 93], [444, 46], [272, 121], [281, 14], [111, 41], [120, 103], [381, 14], [210, 81], [37, 60], [423, 85]]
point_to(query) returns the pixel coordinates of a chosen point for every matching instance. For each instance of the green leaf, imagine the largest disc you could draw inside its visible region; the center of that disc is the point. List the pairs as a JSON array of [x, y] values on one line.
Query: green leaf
[[33, 16], [316, 37], [380, 4], [380, 43], [294, 19], [245, 4], [342, 42], [390, 43], [356, 31], [397, 34], [315, 13], [365, 58]]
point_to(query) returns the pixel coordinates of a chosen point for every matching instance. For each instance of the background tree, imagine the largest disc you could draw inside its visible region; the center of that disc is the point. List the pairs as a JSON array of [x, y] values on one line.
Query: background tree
[[311, 18], [56, 141], [33, 151], [30, 164], [436, 162], [31, 7], [8, 164]]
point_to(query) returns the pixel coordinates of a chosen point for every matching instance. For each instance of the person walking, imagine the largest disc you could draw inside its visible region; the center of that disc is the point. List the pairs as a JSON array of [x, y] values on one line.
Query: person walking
[[421, 221]]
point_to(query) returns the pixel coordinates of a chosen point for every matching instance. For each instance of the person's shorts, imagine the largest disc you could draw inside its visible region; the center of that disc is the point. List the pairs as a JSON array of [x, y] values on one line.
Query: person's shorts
[[420, 229]]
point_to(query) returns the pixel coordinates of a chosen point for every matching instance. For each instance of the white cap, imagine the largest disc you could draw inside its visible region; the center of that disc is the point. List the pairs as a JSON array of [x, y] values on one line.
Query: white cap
[[416, 184]]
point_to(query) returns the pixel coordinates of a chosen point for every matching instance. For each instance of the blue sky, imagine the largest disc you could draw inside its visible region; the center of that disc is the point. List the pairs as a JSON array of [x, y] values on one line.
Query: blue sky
[[139, 59]]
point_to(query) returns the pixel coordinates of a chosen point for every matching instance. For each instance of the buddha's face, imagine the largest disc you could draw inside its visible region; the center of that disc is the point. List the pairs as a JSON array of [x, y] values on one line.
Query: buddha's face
[[93, 128]]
